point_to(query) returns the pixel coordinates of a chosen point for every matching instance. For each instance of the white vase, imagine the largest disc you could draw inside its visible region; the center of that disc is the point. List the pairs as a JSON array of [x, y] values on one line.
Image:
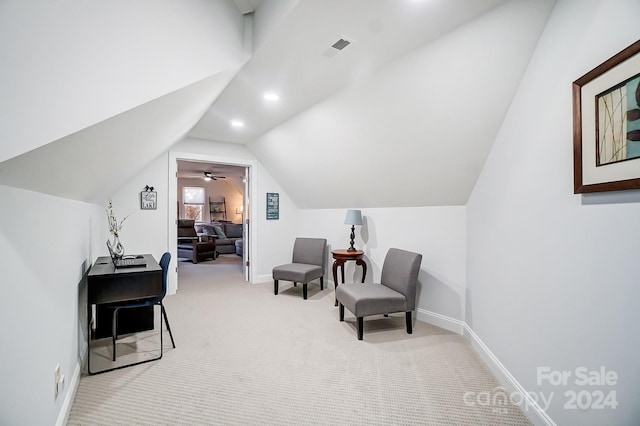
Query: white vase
[[117, 247]]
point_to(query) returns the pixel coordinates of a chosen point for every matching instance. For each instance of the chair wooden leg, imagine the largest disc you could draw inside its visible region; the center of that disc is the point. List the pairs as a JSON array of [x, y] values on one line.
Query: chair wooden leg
[[295, 284], [360, 327], [409, 323], [166, 321], [341, 312], [321, 284], [304, 291], [275, 287]]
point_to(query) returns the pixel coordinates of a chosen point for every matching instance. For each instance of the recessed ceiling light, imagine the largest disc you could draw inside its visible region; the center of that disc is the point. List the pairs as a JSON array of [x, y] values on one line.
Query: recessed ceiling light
[[237, 123], [270, 96]]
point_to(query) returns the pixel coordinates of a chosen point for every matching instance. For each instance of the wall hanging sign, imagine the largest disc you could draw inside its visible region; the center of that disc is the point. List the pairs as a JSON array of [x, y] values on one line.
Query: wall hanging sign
[[148, 198], [273, 206], [606, 125]]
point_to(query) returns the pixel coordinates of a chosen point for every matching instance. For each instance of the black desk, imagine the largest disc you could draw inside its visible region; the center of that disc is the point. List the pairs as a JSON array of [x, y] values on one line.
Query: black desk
[[106, 284]]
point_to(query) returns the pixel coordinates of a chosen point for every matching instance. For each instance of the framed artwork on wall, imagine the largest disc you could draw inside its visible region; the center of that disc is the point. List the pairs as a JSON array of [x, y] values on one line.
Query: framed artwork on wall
[[273, 206], [606, 125], [148, 200]]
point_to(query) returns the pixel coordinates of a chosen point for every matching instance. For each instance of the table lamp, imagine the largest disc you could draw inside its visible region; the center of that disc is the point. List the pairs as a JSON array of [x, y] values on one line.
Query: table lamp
[[354, 217]]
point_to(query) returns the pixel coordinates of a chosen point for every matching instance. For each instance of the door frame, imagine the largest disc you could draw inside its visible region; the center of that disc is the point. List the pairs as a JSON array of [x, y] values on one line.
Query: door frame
[[172, 197]]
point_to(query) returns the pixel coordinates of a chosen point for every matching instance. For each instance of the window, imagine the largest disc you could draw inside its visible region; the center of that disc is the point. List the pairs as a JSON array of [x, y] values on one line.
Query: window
[[193, 200]]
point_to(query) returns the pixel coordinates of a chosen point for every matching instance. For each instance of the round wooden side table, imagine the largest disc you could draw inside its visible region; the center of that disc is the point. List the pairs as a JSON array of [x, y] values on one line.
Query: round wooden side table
[[343, 255]]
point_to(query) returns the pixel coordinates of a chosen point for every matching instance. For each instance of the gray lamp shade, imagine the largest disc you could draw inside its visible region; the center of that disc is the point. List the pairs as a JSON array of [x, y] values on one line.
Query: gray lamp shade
[[354, 217]]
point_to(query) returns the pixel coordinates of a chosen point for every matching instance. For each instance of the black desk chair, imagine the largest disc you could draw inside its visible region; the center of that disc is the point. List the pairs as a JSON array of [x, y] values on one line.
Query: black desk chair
[[164, 264]]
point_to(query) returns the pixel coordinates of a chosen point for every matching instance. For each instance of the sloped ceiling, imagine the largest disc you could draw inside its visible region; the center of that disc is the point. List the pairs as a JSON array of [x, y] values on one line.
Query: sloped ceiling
[[92, 163], [292, 59], [404, 116], [92, 92]]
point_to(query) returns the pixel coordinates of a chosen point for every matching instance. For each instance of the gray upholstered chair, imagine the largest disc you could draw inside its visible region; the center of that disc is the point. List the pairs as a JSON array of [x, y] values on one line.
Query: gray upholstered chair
[[396, 291], [308, 263]]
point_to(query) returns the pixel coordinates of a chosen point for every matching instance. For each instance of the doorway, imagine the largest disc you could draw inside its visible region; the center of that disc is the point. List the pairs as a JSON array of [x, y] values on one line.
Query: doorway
[[213, 195], [224, 198]]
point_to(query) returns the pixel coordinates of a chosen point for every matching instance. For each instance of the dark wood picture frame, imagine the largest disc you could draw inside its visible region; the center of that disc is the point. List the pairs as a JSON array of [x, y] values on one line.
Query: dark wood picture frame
[[585, 89]]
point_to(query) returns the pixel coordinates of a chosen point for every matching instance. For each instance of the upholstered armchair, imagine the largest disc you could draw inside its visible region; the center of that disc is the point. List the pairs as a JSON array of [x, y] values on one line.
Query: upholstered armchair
[[308, 263], [189, 244], [396, 291]]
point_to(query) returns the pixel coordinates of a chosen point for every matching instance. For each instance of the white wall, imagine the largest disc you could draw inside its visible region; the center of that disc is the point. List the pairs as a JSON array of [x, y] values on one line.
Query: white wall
[[438, 233], [46, 246], [553, 276], [144, 231], [276, 237]]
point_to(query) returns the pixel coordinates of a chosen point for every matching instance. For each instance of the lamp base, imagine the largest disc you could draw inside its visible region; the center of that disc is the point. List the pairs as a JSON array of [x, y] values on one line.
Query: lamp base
[[352, 236]]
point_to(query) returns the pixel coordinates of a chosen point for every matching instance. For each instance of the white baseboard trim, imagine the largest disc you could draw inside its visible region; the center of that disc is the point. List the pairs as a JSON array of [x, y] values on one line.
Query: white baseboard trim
[[530, 407], [442, 321], [65, 410], [258, 279]]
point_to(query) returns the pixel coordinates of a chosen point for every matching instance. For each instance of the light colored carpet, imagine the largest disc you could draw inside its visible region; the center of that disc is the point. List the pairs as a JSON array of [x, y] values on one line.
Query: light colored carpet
[[247, 357]]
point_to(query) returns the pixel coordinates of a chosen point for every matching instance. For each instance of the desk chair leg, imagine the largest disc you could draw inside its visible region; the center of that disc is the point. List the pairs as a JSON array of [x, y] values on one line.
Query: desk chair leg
[[160, 318], [166, 321], [360, 327], [409, 323]]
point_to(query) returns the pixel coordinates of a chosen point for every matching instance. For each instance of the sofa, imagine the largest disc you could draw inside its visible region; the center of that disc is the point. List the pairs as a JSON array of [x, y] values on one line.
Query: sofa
[[226, 235]]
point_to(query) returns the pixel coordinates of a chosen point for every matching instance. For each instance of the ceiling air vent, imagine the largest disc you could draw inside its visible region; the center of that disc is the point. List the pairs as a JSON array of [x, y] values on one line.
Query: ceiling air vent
[[341, 44], [337, 47]]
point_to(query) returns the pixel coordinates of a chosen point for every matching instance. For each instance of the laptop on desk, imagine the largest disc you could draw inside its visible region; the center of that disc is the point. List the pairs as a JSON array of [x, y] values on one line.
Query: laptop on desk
[[126, 261]]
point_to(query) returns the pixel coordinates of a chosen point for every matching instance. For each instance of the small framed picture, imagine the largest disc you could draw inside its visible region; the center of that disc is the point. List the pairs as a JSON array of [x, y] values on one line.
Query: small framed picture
[[148, 200], [273, 206]]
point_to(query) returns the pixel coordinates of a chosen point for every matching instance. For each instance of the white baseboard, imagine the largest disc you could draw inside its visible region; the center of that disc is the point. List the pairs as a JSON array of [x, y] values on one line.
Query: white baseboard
[[258, 279], [65, 410], [442, 321], [534, 412]]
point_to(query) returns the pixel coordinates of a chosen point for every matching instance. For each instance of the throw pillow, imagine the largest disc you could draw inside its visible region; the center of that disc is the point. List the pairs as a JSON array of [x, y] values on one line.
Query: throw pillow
[[219, 232], [207, 230]]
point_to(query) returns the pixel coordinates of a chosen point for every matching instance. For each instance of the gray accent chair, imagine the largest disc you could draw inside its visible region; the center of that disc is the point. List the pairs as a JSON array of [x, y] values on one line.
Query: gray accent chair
[[396, 291], [308, 263]]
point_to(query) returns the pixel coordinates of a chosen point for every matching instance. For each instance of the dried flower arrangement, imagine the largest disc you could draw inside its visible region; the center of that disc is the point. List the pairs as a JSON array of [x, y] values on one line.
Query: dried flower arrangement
[[114, 226]]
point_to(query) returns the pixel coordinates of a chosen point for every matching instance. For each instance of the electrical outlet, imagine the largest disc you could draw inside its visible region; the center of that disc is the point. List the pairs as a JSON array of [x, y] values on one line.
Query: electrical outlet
[[56, 380]]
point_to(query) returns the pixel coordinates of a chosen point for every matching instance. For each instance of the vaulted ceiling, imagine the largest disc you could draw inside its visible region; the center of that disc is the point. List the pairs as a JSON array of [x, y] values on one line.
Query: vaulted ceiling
[[404, 115]]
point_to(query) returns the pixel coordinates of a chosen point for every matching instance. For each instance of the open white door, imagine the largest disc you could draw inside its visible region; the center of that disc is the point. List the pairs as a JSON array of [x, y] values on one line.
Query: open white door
[[245, 224]]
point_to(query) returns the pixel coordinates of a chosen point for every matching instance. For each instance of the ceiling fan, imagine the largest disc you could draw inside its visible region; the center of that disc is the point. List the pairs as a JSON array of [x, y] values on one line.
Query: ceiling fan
[[210, 176]]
